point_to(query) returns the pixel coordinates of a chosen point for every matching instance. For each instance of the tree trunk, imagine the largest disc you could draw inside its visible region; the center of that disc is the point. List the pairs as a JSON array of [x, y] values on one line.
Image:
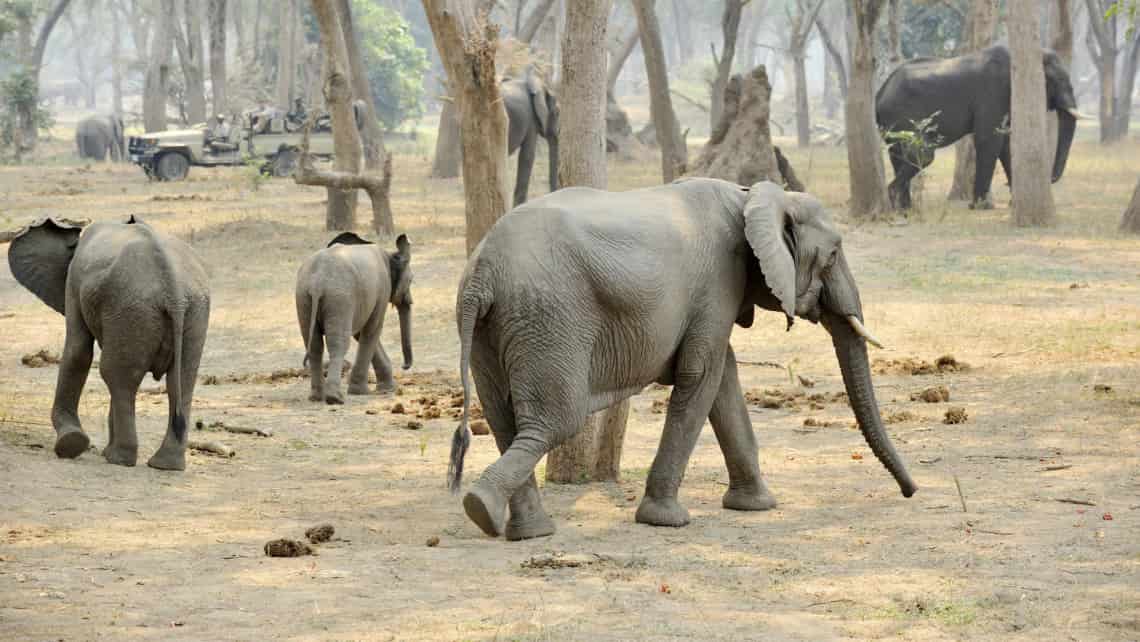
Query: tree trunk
[[674, 156], [982, 20], [1130, 223], [834, 55], [618, 58], [445, 164], [729, 27], [1032, 196], [341, 213], [583, 120], [682, 24], [1103, 49], [530, 28], [158, 72], [1123, 110], [190, 58], [801, 24], [217, 23], [864, 156], [33, 59], [467, 48], [373, 138], [894, 35], [286, 60], [116, 61], [1061, 20]]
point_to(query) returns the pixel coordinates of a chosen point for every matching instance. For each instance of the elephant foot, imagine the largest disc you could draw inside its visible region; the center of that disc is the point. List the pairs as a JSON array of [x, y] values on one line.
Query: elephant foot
[[487, 508], [359, 388], [168, 459], [386, 388], [537, 524], [749, 499], [316, 394], [336, 397], [665, 511], [120, 455], [71, 444], [982, 204]]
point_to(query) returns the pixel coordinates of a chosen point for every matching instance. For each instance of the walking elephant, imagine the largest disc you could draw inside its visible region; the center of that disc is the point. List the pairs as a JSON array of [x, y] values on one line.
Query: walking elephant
[[966, 95], [144, 297], [532, 110], [633, 288], [95, 136], [343, 291]]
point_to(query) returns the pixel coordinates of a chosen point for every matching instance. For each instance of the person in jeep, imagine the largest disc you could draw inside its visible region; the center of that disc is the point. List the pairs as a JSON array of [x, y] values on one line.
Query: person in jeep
[[295, 119], [218, 137]]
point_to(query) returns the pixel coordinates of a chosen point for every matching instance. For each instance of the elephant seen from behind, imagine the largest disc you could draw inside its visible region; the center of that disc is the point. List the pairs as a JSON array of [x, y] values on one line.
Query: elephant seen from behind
[[633, 288], [968, 94], [532, 111], [144, 296], [98, 136], [343, 292]]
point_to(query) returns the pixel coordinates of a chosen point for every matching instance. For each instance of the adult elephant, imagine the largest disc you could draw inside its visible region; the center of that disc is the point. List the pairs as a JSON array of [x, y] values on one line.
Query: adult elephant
[[532, 110], [95, 136], [965, 95], [638, 287]]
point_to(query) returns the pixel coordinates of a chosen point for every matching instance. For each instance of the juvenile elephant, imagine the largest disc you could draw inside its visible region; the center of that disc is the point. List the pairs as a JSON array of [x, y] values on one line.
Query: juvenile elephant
[[633, 288], [343, 291], [966, 95], [95, 136], [532, 111], [144, 297]]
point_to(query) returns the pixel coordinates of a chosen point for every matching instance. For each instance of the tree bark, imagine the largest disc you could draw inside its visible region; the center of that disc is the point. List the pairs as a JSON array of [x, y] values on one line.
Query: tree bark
[[341, 213], [1061, 20], [445, 163], [1104, 50], [981, 21], [834, 55], [618, 58], [116, 60], [33, 60], [286, 60], [216, 18], [190, 57], [894, 35], [864, 156], [1130, 223], [800, 29], [534, 21], [1032, 196], [158, 73], [729, 27], [674, 156], [377, 187], [1123, 110], [467, 45], [594, 453]]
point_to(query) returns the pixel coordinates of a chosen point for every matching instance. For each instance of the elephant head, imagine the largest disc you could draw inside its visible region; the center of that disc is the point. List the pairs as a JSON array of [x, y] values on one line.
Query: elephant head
[[545, 105], [40, 256], [1059, 97], [805, 273], [400, 268]]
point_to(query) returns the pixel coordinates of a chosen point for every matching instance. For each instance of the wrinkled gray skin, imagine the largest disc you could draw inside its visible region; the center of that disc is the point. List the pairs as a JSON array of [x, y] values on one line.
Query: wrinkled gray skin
[[971, 94], [343, 292], [638, 287], [144, 297], [96, 136], [532, 110]]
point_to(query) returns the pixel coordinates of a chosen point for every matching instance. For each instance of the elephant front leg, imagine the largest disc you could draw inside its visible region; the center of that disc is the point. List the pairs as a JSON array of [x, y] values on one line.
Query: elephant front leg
[[987, 156], [695, 387], [382, 366], [737, 440], [78, 351]]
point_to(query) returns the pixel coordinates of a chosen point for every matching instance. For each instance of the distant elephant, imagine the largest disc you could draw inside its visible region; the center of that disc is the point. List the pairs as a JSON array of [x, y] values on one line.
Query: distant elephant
[[532, 110], [966, 95], [95, 136], [638, 287], [343, 291], [144, 297]]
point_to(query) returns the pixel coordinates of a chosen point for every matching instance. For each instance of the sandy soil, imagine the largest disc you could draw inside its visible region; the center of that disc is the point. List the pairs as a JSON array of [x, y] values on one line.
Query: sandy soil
[[1046, 319]]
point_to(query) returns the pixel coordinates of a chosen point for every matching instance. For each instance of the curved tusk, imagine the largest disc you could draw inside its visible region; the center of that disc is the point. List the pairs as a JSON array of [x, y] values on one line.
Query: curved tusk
[[861, 331], [1076, 114]]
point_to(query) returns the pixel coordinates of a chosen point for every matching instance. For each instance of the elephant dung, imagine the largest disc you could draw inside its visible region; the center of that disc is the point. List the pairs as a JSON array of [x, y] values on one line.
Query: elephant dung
[[40, 359], [287, 548], [955, 415], [933, 394], [321, 533], [480, 427], [397, 408]]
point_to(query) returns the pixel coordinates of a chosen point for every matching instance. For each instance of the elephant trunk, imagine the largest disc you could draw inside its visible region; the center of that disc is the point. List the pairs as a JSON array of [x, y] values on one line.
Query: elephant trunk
[[853, 363], [552, 144], [1066, 126], [405, 312]]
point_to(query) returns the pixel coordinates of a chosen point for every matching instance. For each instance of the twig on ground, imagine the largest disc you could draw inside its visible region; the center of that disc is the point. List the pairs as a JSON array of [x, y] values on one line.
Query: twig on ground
[[1080, 502], [997, 355], [962, 497], [763, 364], [842, 599], [212, 447], [1052, 468]]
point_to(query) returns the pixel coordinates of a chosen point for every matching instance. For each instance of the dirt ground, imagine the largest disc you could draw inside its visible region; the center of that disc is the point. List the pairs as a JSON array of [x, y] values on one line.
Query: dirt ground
[[1026, 525]]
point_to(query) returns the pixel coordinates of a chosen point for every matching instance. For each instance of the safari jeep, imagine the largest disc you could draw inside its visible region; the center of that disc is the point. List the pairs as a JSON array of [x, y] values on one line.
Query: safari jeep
[[168, 155]]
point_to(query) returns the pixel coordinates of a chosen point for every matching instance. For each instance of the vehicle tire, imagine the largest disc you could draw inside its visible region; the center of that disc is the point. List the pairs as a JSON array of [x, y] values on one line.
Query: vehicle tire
[[172, 166], [285, 163]]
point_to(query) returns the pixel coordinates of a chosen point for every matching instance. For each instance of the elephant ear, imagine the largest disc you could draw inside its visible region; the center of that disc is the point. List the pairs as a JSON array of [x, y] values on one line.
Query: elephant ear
[[765, 226], [348, 238], [399, 267], [537, 92], [40, 256]]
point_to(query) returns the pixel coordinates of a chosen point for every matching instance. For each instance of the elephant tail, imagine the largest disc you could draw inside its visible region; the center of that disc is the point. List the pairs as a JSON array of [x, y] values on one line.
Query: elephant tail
[[314, 309], [473, 305], [174, 376]]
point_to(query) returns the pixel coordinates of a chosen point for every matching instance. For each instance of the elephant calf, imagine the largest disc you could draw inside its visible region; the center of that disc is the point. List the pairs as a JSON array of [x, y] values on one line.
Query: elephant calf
[[343, 291], [144, 297]]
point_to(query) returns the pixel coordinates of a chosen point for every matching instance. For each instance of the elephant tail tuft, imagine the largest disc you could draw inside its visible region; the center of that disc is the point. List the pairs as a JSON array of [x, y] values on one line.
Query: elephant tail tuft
[[473, 305]]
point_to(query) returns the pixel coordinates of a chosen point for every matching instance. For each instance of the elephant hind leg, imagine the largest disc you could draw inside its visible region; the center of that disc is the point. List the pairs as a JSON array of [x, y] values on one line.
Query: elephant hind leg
[[905, 169], [737, 441], [338, 332], [122, 378], [367, 346], [171, 455]]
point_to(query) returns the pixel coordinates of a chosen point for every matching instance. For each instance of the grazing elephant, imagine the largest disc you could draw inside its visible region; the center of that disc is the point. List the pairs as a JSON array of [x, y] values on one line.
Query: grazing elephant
[[95, 136], [144, 297], [966, 95], [343, 291], [633, 288], [532, 110]]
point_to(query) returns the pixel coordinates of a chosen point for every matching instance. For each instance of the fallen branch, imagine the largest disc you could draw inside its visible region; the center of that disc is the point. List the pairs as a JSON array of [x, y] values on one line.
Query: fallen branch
[[212, 447], [1048, 469], [962, 497], [1079, 502], [762, 364], [842, 599]]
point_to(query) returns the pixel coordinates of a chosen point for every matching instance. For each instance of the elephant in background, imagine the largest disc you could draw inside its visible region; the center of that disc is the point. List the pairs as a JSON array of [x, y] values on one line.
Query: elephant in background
[[95, 136], [532, 110], [633, 288], [144, 297], [966, 95], [343, 291]]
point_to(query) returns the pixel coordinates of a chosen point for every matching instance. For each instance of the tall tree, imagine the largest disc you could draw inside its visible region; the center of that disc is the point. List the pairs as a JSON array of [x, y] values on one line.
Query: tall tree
[[674, 156], [1104, 42], [864, 156], [190, 57], [116, 58], [467, 44], [595, 452], [216, 18], [31, 56], [156, 83], [288, 22], [1061, 23], [981, 24], [837, 67], [729, 28], [1032, 196], [800, 26]]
